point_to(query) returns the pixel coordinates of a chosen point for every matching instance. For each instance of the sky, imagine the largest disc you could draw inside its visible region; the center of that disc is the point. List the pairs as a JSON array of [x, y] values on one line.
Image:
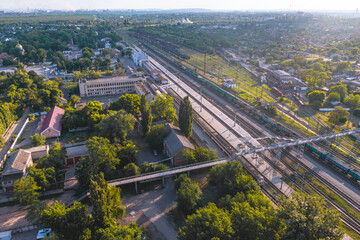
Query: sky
[[332, 5]]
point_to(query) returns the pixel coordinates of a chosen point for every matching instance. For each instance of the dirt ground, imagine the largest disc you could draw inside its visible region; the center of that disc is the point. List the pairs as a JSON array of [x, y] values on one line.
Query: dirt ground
[[151, 209]]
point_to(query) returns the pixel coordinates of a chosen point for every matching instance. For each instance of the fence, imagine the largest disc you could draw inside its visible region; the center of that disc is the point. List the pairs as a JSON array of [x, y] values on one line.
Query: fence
[[19, 134]]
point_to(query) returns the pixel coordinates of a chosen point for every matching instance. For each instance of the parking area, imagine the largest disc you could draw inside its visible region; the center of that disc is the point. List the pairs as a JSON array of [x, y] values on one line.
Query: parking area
[[147, 155], [29, 235]]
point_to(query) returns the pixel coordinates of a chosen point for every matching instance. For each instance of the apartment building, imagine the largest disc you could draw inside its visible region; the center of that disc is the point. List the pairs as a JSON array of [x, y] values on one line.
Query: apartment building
[[109, 85]]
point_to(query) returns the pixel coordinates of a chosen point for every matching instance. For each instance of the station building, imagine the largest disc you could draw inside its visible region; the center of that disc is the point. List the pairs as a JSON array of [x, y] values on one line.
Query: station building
[[109, 85]]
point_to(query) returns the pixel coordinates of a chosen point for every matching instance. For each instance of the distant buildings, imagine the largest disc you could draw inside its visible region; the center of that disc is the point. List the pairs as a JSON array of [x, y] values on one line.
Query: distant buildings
[[139, 58], [109, 86], [50, 124], [72, 54]]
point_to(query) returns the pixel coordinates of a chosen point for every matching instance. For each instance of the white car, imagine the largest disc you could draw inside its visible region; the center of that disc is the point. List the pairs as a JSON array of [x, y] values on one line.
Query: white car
[[43, 233]]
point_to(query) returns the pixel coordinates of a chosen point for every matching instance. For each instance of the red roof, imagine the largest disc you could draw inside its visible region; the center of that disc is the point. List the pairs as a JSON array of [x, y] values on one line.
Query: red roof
[[53, 119]]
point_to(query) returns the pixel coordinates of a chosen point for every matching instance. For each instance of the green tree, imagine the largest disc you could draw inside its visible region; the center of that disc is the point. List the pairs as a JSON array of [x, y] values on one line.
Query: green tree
[[342, 66], [74, 99], [338, 116], [163, 108], [127, 154], [106, 202], [186, 116], [207, 223], [42, 176], [156, 136], [25, 190], [188, 194], [340, 89], [129, 102], [199, 155], [131, 169], [92, 74], [37, 140], [353, 101], [116, 126], [333, 97], [114, 232], [67, 223], [230, 179], [147, 168], [308, 217], [146, 117]]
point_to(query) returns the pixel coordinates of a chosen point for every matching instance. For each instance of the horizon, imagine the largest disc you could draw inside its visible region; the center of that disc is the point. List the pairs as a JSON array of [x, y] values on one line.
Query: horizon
[[162, 5]]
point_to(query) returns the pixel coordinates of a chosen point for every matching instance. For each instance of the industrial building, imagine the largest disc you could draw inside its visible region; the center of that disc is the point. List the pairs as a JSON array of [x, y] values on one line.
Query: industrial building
[[109, 86]]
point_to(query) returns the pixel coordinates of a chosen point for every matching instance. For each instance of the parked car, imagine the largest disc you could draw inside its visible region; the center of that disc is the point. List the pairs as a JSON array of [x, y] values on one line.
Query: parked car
[[43, 233], [155, 152]]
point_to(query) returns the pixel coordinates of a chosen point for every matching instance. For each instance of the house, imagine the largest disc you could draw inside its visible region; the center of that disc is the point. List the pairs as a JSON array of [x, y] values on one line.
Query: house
[[175, 143], [38, 152], [15, 168], [145, 89], [229, 83], [75, 153], [50, 124]]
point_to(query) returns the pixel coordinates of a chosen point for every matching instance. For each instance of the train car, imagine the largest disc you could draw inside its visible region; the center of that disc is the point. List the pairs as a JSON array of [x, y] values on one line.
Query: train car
[[316, 151], [354, 173], [277, 91], [338, 163]]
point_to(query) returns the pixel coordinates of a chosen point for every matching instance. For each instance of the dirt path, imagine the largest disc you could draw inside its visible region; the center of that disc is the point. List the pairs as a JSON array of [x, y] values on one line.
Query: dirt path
[[151, 210]]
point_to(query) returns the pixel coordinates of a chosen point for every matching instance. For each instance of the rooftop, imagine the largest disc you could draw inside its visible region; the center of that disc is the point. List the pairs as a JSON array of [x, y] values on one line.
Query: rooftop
[[53, 119], [76, 151], [113, 79], [176, 140], [17, 162]]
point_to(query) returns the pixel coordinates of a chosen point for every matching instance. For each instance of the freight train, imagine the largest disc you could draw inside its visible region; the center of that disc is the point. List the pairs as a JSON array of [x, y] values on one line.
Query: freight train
[[333, 161]]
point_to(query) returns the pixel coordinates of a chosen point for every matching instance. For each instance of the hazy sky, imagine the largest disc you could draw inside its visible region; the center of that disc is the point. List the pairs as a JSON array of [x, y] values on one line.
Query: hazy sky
[[178, 4]]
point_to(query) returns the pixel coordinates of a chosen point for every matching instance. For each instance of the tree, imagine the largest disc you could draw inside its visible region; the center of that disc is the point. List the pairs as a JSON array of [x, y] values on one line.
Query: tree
[[37, 140], [106, 202], [199, 155], [74, 99], [127, 154], [338, 116], [146, 117], [42, 176], [308, 217], [333, 97], [131, 169], [163, 108], [2, 142], [254, 218], [147, 168], [353, 101], [186, 116], [230, 179], [188, 194], [116, 126], [129, 102], [207, 223], [342, 66], [25, 190], [67, 223], [156, 136], [340, 89], [316, 98]]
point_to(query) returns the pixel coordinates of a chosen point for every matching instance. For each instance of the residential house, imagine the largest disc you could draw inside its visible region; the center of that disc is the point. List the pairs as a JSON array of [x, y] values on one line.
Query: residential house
[[50, 124], [15, 168], [174, 145]]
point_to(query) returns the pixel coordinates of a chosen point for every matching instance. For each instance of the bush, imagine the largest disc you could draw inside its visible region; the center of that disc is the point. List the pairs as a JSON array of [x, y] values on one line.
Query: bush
[[31, 117]]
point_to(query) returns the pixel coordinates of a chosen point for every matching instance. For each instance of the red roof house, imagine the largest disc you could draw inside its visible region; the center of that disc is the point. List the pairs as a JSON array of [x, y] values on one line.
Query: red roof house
[[50, 124]]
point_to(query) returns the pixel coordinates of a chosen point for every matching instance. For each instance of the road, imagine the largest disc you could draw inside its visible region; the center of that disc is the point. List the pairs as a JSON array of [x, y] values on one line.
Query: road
[[14, 129]]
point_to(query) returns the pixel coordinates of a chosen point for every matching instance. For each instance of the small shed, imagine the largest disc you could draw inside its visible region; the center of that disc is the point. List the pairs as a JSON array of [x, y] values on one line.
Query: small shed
[[74, 154]]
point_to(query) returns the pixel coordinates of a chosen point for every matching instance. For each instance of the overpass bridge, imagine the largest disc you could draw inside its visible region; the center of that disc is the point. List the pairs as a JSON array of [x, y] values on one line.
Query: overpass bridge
[[172, 171]]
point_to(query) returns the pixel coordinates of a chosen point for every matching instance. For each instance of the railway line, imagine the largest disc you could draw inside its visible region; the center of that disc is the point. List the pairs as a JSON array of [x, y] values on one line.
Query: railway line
[[347, 218]]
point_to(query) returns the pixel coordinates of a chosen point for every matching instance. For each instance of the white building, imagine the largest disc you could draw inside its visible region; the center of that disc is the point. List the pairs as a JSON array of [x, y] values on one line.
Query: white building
[[109, 86], [229, 83], [139, 58]]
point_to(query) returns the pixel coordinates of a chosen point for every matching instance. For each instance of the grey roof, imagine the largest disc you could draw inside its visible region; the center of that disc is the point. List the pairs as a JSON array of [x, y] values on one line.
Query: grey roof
[[39, 149], [76, 151], [17, 162], [176, 140]]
